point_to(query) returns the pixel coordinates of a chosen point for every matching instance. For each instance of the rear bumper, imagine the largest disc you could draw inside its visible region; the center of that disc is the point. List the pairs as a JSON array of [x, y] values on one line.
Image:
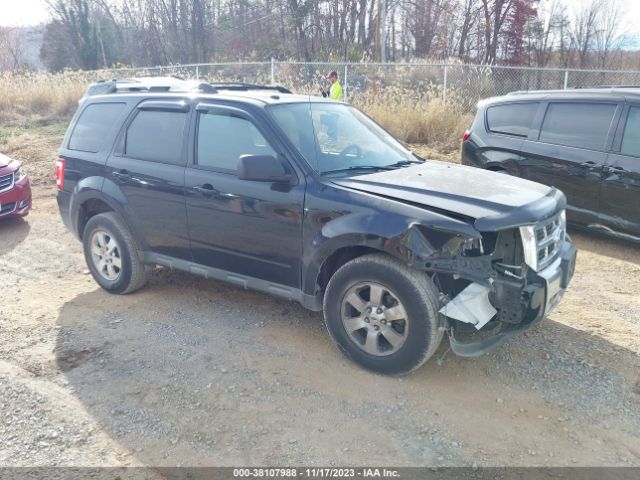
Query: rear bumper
[[17, 201], [467, 156], [64, 205], [543, 295]]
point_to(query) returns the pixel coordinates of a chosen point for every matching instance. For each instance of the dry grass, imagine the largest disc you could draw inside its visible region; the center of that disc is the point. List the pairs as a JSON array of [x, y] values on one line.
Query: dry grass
[[40, 95], [422, 118], [418, 118]]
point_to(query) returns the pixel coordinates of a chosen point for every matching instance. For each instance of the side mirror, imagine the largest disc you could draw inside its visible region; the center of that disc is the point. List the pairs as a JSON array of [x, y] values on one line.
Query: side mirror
[[262, 168]]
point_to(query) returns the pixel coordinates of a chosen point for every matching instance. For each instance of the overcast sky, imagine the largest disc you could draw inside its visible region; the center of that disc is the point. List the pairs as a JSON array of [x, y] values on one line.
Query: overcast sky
[[23, 12]]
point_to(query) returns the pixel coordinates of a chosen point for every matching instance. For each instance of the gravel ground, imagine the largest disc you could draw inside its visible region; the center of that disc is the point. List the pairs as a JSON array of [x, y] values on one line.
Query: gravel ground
[[196, 372]]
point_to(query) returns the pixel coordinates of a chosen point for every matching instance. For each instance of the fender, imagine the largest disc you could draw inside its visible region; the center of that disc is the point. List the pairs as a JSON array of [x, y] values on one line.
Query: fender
[[410, 234], [86, 189], [503, 158], [511, 166], [96, 188]]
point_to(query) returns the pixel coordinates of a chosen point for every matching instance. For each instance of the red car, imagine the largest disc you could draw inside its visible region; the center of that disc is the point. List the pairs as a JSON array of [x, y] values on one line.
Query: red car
[[15, 191]]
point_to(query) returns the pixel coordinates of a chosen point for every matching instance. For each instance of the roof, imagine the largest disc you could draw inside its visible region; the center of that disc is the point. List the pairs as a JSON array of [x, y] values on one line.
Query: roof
[[601, 93]]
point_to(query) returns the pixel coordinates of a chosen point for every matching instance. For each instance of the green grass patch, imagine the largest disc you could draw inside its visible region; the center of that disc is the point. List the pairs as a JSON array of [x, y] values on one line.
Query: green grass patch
[[32, 125]]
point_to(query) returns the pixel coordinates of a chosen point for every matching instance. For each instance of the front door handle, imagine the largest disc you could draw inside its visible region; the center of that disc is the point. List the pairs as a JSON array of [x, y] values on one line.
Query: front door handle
[[588, 164], [614, 169], [207, 189], [121, 174]]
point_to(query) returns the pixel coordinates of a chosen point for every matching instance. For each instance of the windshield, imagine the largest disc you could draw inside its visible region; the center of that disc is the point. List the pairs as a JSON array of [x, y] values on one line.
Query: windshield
[[335, 138]]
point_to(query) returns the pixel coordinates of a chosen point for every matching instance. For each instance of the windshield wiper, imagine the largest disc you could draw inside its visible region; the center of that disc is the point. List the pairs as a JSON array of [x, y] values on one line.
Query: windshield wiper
[[360, 167], [404, 163]]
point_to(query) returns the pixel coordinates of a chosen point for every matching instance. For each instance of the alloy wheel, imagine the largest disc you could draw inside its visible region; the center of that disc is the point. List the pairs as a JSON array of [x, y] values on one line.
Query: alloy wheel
[[374, 318], [105, 253]]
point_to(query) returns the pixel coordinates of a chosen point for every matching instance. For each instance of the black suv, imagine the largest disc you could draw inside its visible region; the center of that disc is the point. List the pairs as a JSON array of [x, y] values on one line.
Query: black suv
[[310, 200], [584, 142]]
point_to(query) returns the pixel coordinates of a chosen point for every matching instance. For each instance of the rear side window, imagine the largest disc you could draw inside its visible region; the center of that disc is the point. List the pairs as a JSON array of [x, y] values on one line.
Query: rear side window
[[631, 137], [223, 137], [93, 126], [583, 125], [511, 119], [157, 136]]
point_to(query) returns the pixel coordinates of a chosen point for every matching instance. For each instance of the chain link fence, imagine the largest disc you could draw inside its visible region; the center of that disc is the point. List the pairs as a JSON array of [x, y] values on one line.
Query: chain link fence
[[466, 83]]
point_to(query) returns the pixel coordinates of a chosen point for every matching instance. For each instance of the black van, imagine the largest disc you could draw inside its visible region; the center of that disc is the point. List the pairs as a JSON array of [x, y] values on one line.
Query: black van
[[584, 142]]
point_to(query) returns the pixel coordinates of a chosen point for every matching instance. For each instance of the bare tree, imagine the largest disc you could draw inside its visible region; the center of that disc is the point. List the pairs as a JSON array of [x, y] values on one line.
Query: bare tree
[[542, 33], [12, 48], [99, 33], [608, 31], [495, 14], [470, 10], [583, 29]]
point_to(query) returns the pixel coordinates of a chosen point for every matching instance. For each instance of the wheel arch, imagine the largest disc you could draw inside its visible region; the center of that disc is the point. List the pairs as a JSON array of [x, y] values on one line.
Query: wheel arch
[[338, 258], [88, 209], [90, 199], [510, 166], [408, 246]]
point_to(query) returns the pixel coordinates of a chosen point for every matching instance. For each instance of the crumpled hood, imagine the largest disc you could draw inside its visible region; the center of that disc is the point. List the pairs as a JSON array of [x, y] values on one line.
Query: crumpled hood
[[494, 200]]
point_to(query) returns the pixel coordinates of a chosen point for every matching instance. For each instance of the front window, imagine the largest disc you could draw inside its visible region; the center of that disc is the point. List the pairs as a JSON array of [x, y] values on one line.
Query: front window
[[631, 137], [338, 139], [223, 137], [583, 125]]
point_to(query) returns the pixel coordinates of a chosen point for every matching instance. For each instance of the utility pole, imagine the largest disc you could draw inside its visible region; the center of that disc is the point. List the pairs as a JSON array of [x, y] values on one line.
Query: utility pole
[[383, 30]]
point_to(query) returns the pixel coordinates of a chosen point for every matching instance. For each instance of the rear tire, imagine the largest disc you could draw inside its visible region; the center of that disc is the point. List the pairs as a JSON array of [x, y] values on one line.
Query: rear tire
[[382, 314], [112, 255]]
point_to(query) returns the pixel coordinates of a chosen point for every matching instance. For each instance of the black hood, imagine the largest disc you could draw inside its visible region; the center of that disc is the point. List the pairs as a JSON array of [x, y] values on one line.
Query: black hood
[[495, 201]]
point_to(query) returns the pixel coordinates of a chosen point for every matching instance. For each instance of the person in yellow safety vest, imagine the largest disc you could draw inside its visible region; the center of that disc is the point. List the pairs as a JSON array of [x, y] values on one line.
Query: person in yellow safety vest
[[335, 91]]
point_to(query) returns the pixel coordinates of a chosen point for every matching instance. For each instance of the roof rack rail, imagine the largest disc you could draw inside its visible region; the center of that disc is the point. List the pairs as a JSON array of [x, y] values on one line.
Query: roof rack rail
[[574, 89], [243, 87], [610, 86], [140, 84], [170, 84], [521, 92]]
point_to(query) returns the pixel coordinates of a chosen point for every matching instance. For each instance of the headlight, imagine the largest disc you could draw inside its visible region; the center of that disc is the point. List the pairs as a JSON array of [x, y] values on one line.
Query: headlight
[[563, 220], [529, 246], [18, 175]]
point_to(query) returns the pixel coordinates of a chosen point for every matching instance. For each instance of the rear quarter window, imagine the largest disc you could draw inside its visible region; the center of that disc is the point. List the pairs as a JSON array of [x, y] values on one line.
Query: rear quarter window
[[512, 118], [584, 125], [91, 131]]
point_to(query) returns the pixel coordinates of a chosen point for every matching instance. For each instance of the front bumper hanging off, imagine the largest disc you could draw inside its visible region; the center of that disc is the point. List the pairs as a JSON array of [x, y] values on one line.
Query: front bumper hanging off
[[544, 295]]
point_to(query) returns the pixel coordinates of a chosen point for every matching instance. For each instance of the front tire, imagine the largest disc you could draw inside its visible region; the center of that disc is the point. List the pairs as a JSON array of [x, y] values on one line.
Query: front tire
[[111, 254], [382, 314]]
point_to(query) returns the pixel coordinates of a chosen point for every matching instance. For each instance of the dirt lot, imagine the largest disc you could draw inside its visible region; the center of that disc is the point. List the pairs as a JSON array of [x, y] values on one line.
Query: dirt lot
[[195, 372]]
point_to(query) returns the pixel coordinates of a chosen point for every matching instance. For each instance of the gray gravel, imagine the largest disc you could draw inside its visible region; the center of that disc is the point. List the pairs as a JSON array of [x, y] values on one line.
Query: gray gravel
[[195, 372]]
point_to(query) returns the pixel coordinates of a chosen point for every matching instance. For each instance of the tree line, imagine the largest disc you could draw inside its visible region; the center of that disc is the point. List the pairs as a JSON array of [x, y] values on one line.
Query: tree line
[[92, 34]]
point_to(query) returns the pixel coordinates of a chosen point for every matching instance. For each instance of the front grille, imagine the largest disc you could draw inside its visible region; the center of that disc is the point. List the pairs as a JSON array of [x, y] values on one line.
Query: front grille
[[6, 182], [7, 208], [549, 237]]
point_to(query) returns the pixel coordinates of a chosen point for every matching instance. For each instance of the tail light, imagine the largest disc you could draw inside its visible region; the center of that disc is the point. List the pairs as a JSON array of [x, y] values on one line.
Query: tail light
[[60, 164], [466, 135]]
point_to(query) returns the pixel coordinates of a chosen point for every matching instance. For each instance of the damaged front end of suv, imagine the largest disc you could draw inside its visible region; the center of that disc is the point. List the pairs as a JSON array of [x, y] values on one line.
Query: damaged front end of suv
[[502, 281]]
